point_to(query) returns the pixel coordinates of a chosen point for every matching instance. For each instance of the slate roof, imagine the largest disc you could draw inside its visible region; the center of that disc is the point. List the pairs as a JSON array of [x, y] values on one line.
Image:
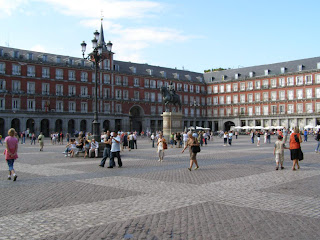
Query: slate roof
[[259, 71]]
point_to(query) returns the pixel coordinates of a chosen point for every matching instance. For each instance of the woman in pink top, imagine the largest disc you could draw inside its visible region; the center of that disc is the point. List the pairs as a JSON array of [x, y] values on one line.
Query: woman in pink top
[[11, 152]]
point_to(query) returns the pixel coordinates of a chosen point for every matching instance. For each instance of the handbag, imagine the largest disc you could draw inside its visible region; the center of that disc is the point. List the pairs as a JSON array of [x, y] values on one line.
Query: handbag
[[164, 144], [300, 155], [195, 149]]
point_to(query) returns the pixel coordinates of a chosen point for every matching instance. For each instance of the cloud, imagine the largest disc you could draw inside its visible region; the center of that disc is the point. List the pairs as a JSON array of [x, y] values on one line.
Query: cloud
[[38, 48], [7, 7]]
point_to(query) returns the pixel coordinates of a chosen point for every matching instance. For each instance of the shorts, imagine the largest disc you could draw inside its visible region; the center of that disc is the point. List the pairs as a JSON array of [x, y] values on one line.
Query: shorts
[[10, 164], [279, 157]]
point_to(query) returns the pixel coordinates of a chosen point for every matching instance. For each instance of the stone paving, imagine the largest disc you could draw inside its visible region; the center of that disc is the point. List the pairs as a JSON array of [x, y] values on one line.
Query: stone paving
[[236, 194]]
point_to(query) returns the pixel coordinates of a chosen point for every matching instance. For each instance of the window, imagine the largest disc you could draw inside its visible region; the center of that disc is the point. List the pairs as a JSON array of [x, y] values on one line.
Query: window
[[125, 94], [136, 95], [2, 67], [299, 80], [250, 98], [290, 94], [257, 110], [309, 93], [235, 111], [186, 87], [265, 84], [72, 91], [118, 94], [146, 96], [209, 89], [159, 97], [106, 108], [153, 97], [250, 111], [106, 78], [160, 84], [209, 112], [30, 56], [242, 86], [300, 67], [290, 109], [16, 86], [236, 76], [317, 76], [186, 99], [160, 109], [58, 59], [2, 104], [282, 82], [300, 108], [235, 99], [136, 82], [179, 87], [228, 112], [59, 106], [215, 89], [221, 112], [235, 87], [317, 92], [59, 90], [282, 95], [106, 93], [31, 72], [290, 81], [257, 97], [283, 70], [266, 72], [215, 100], [317, 107], [228, 87], [84, 77], [118, 80], [309, 79], [45, 72], [251, 74], [72, 75], [44, 58], [198, 89], [31, 105], [45, 88], [106, 64], [309, 108], [118, 108], [84, 107], [2, 85], [191, 89], [16, 69], [249, 85], [242, 98], [299, 93], [215, 112], [59, 74], [273, 83], [221, 99], [209, 101], [228, 100], [258, 84], [153, 110], [265, 96], [15, 104], [146, 83], [282, 109], [273, 96], [30, 87], [125, 81], [242, 110], [93, 75], [84, 91], [221, 88], [72, 107], [265, 110]]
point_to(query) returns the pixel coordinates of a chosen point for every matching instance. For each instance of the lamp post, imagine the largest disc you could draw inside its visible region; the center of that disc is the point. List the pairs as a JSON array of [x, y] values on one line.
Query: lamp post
[[96, 57]]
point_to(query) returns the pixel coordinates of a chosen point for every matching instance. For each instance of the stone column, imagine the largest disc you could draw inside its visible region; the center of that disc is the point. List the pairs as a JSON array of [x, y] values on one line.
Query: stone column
[[172, 122]]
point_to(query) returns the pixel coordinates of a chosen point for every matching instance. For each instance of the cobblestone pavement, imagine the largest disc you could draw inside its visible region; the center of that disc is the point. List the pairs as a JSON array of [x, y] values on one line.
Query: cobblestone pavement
[[236, 194]]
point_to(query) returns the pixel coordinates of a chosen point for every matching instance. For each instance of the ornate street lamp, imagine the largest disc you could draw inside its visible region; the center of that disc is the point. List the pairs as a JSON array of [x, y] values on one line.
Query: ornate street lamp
[[96, 57]]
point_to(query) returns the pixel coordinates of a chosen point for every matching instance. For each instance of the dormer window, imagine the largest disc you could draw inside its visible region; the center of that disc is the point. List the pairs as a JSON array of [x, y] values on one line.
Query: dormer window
[[116, 67], [133, 69], [188, 77], [266, 72], [251, 74], [44, 58], [30, 56], [200, 79], [176, 75], [149, 71], [1, 52], [70, 61], [212, 79], [16, 54], [58, 59], [318, 64], [300, 67], [283, 70], [236, 76], [163, 74]]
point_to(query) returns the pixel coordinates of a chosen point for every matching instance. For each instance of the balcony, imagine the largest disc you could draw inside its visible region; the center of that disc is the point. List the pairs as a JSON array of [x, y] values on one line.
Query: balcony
[[45, 93]]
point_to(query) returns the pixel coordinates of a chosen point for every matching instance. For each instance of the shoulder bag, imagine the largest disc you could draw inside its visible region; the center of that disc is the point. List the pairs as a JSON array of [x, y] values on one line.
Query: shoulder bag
[[195, 149]]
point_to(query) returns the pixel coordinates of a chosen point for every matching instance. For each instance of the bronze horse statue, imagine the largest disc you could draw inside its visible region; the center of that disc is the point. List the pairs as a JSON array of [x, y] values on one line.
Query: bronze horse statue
[[170, 98]]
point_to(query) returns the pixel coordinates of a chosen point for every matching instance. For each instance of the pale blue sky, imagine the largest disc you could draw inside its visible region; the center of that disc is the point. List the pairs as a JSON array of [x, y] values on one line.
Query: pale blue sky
[[196, 35]]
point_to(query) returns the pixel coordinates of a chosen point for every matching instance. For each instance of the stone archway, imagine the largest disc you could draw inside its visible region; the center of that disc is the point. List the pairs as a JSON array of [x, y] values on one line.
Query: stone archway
[[15, 123], [106, 125], [228, 125], [2, 122], [136, 117], [83, 126], [71, 126], [30, 125], [44, 128], [58, 126]]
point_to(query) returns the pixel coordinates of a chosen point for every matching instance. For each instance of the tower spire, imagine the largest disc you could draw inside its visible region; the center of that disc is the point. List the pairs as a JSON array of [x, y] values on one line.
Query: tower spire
[[101, 36]]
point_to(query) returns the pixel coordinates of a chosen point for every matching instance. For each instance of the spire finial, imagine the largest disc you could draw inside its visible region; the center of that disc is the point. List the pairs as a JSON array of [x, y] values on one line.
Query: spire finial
[[102, 15]]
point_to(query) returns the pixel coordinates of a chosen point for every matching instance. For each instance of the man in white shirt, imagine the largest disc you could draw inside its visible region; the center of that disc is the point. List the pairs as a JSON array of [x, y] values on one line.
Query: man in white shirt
[[185, 139], [94, 147], [115, 150]]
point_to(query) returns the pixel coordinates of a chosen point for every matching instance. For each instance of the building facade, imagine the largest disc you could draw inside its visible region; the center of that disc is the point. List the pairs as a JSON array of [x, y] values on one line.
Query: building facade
[[285, 94]]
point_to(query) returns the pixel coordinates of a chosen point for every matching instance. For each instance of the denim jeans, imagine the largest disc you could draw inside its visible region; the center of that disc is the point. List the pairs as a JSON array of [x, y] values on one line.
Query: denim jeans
[[112, 156], [10, 164], [252, 139], [317, 149], [106, 154]]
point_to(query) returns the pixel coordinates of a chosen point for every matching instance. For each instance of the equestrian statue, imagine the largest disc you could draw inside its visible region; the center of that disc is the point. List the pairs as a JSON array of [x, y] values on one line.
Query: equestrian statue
[[169, 96]]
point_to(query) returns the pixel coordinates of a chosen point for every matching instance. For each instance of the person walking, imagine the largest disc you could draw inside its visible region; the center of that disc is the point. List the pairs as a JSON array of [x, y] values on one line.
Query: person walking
[[317, 138], [236, 134], [11, 152], [252, 136], [192, 141], [125, 140], [230, 138], [258, 138], [225, 138], [41, 141], [33, 139], [115, 151], [268, 137], [278, 151], [161, 146], [295, 148], [152, 139], [305, 134], [107, 149], [135, 139], [185, 139]]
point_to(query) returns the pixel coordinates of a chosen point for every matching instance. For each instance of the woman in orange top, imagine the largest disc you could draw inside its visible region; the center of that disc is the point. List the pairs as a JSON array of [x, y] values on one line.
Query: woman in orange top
[[295, 148]]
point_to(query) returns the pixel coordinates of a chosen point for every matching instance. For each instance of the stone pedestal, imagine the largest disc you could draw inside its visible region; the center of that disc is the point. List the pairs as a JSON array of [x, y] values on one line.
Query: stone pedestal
[[172, 122]]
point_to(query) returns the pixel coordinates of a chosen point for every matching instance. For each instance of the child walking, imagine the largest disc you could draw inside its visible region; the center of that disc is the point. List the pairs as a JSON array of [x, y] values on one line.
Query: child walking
[[278, 151], [11, 152]]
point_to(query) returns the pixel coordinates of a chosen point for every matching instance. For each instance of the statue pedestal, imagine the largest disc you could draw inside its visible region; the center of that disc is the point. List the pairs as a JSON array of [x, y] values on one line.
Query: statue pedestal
[[172, 122]]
